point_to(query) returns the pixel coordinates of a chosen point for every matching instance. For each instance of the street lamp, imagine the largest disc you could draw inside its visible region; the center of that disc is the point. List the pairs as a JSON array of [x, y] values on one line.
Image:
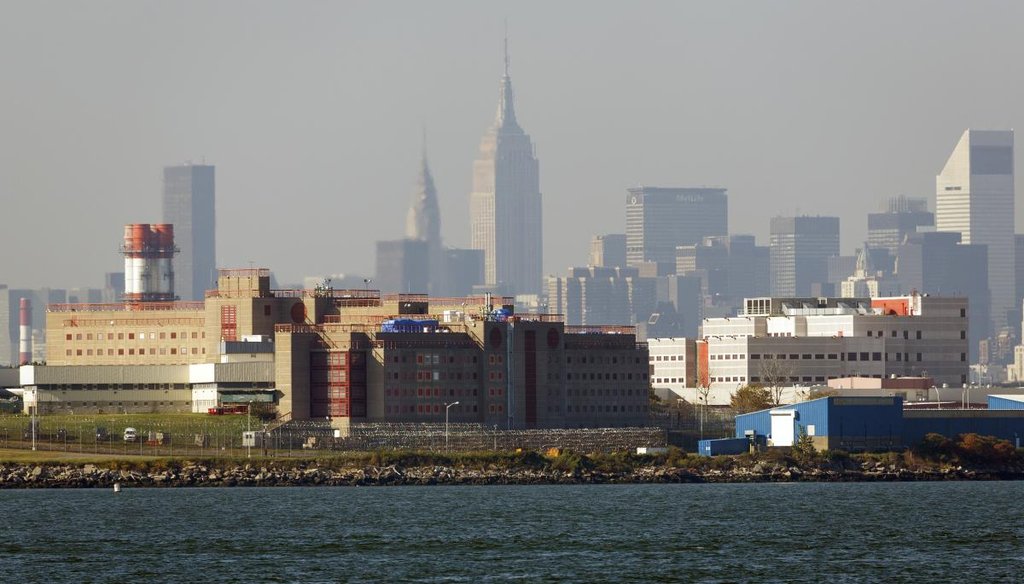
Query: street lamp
[[446, 408]]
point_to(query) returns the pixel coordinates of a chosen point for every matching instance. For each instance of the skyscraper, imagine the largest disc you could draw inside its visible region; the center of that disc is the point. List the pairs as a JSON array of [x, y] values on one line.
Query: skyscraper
[[660, 219], [608, 251], [505, 205], [800, 248], [189, 204], [887, 230], [423, 223], [974, 197]]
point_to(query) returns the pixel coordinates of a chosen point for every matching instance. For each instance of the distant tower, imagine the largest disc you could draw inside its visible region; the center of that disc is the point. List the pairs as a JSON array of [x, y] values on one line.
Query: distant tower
[[148, 262], [799, 252], [505, 205], [974, 196], [188, 204], [423, 223], [25, 332]]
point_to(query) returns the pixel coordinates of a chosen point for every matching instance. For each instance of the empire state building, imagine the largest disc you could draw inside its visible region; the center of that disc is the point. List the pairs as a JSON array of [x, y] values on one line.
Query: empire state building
[[505, 205]]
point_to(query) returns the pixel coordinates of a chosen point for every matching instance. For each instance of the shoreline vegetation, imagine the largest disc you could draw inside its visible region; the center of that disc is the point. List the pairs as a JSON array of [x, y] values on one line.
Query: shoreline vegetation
[[969, 457]]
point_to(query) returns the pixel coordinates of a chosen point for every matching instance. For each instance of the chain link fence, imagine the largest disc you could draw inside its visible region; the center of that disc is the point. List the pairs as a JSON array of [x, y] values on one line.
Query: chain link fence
[[223, 436]]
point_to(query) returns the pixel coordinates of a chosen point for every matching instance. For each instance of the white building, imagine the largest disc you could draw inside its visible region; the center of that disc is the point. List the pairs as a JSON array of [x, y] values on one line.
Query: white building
[[673, 367], [808, 341], [974, 196]]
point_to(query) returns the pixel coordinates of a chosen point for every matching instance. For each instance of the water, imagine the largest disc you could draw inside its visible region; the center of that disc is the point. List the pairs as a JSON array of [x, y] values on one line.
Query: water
[[852, 532]]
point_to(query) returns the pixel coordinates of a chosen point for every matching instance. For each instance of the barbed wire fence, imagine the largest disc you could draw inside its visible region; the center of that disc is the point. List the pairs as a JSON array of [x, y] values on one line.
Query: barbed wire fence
[[222, 438]]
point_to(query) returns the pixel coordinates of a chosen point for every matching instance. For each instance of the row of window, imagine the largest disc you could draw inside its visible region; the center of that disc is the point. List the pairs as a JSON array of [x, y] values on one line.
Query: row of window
[[131, 336], [654, 358], [133, 351], [589, 409]]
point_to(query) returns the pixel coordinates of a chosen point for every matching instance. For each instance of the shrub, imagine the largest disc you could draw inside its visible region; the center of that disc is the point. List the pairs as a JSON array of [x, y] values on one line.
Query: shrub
[[934, 447], [975, 448], [567, 461]]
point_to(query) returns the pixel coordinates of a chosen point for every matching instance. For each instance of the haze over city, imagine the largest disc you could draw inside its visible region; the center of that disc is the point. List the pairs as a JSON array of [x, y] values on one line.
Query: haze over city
[[313, 113]]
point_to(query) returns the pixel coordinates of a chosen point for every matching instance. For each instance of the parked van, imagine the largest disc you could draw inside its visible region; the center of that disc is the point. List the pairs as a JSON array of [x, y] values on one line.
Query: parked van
[[130, 435]]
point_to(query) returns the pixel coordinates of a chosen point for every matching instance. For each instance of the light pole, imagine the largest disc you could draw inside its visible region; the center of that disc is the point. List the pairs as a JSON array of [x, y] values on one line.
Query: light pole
[[446, 408], [248, 430]]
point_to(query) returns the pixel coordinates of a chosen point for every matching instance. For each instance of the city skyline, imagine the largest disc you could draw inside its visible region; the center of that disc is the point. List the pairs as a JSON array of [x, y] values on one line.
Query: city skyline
[[306, 135]]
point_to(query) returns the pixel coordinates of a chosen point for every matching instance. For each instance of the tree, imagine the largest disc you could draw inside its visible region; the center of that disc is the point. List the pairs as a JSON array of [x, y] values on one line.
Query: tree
[[775, 377], [804, 449], [751, 398]]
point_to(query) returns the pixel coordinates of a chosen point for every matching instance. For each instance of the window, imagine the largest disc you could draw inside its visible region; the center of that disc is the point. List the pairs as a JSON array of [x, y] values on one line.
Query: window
[[819, 355], [851, 356], [755, 355], [806, 356], [963, 334], [67, 337], [864, 356], [963, 356], [918, 334], [878, 357], [906, 334], [919, 356]]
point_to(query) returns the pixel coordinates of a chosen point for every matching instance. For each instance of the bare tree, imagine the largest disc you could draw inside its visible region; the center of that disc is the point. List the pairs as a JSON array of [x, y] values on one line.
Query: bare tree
[[775, 377]]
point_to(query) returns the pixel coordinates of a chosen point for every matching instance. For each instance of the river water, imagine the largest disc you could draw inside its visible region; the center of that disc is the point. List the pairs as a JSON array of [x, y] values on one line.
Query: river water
[[845, 532]]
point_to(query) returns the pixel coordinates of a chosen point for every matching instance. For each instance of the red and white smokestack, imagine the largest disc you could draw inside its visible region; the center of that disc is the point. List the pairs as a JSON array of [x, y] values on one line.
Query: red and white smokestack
[[148, 270], [25, 332]]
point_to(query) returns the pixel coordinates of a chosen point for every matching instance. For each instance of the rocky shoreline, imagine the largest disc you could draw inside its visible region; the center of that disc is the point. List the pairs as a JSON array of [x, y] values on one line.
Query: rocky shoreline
[[16, 476]]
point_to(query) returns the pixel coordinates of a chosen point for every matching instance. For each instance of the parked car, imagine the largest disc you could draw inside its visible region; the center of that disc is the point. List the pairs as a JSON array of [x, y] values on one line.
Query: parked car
[[130, 435]]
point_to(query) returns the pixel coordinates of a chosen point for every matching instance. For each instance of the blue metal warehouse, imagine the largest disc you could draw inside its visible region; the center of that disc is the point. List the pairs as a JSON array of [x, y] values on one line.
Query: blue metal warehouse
[[876, 423]]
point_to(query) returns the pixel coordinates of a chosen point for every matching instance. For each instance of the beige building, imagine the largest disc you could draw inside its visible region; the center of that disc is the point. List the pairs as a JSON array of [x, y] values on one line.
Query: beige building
[[343, 354]]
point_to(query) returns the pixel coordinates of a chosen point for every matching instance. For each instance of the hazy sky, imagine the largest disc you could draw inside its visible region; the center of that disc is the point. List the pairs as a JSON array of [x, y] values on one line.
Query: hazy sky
[[312, 111]]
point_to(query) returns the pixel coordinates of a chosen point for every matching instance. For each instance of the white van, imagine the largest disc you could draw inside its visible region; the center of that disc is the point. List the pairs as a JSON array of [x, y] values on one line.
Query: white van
[[130, 435]]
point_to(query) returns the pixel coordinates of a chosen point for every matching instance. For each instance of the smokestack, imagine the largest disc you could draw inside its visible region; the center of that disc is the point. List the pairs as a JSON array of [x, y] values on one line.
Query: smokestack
[[148, 270], [25, 332]]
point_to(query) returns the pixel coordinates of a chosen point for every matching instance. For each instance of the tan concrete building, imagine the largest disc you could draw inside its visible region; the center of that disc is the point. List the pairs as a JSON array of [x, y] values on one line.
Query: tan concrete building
[[343, 354]]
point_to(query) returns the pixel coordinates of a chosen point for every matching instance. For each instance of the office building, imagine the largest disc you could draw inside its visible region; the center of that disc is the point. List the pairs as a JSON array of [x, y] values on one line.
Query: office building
[[974, 196], [887, 230], [608, 251], [800, 249], [189, 203], [938, 263], [811, 340], [403, 265], [658, 220], [505, 205]]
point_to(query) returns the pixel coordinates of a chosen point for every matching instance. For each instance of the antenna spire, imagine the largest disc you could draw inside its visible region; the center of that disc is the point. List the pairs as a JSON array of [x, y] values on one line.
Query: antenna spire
[[506, 47]]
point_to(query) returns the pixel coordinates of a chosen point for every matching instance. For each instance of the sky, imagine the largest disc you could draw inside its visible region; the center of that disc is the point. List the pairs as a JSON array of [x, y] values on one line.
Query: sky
[[313, 112]]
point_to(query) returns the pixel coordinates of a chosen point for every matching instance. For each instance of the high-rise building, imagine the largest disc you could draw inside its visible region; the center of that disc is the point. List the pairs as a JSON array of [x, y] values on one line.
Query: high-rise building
[[888, 229], [608, 250], [974, 197], [730, 268], [505, 205], [660, 219], [189, 205], [937, 263], [403, 266], [423, 223], [800, 249]]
